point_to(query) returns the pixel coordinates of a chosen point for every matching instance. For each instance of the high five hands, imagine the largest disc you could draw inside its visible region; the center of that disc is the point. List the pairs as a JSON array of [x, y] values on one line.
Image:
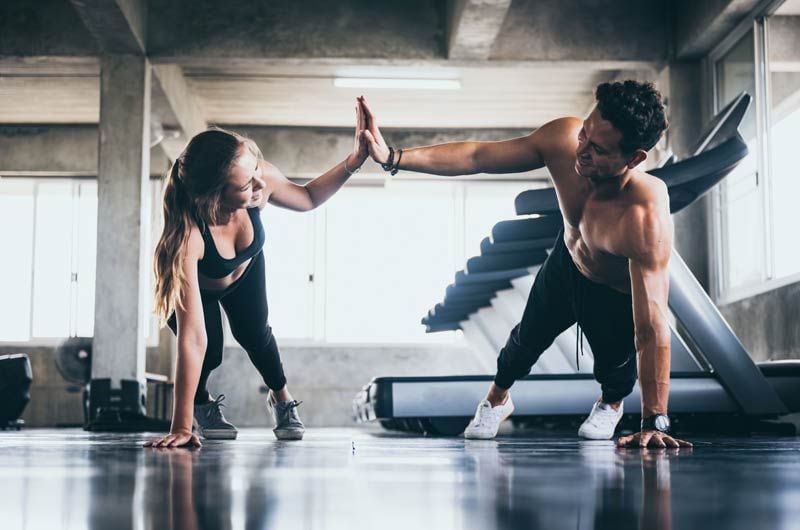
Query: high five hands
[[370, 133], [360, 151]]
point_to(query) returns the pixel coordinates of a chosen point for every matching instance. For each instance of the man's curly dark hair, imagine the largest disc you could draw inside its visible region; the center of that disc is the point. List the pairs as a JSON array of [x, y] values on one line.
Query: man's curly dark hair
[[636, 110]]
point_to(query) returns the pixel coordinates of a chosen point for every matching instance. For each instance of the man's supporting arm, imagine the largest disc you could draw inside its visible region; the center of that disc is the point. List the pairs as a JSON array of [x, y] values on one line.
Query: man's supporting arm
[[651, 246]]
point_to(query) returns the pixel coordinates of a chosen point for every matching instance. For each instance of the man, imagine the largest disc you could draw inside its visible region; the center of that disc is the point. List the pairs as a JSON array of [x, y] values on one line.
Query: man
[[608, 269]]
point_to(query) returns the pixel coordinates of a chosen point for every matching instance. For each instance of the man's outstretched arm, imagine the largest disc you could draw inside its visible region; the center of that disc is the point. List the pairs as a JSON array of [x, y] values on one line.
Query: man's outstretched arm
[[466, 158]]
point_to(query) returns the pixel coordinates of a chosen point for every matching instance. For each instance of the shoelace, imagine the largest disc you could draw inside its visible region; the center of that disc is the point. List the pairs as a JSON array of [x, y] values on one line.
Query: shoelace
[[484, 410], [216, 405], [605, 418], [291, 411]]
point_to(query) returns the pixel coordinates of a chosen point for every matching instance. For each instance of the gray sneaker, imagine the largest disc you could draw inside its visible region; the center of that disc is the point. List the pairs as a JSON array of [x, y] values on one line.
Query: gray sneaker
[[287, 423], [210, 422]]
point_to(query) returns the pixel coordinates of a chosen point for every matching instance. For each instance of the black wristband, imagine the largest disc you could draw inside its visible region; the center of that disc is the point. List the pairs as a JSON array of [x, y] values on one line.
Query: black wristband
[[390, 161], [396, 167]]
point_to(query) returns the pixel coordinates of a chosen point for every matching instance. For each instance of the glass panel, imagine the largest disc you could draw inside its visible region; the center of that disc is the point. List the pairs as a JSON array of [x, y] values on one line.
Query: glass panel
[[16, 220], [784, 132], [742, 226], [486, 204], [85, 262], [155, 216], [288, 253], [52, 269], [390, 254]]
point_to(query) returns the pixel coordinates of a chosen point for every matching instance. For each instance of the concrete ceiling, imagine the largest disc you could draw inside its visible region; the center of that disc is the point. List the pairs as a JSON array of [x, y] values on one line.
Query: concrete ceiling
[[789, 7], [274, 64], [304, 94]]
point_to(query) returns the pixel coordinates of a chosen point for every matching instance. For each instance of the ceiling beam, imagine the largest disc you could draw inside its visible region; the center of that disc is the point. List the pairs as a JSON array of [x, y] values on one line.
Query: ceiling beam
[[117, 25], [119, 28], [473, 26], [185, 105], [299, 152], [699, 26], [71, 151]]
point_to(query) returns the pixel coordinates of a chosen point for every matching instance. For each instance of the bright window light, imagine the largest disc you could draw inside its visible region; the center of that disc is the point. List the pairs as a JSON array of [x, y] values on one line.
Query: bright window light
[[407, 84]]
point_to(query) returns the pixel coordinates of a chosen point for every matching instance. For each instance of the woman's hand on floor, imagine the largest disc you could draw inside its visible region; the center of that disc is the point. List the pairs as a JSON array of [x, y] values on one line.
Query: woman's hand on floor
[[176, 439]]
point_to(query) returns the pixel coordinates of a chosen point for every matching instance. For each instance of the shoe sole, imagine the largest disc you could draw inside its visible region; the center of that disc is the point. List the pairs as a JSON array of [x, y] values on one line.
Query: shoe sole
[[215, 434], [218, 435], [288, 435], [589, 437], [489, 437]]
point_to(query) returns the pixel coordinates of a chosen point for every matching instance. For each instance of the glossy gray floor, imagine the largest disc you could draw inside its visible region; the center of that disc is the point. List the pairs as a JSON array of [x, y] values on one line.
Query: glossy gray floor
[[346, 478]]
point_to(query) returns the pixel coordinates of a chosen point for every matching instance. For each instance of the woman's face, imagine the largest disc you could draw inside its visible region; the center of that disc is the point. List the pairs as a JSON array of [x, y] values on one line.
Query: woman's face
[[245, 185]]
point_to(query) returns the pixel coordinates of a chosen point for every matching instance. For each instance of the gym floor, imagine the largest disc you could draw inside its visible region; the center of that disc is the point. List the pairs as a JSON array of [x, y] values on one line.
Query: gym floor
[[339, 478]]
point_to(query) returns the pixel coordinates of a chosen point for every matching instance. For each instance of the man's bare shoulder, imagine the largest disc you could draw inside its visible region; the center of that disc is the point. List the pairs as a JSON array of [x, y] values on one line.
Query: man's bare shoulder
[[558, 138], [561, 128], [648, 192], [648, 223], [564, 123]]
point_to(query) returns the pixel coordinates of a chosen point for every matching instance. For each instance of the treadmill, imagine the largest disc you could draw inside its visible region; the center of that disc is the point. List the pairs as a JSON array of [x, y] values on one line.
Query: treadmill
[[712, 373]]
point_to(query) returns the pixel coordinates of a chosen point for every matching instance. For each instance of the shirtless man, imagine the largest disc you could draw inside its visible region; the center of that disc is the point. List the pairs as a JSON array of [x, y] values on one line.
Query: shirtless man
[[608, 269]]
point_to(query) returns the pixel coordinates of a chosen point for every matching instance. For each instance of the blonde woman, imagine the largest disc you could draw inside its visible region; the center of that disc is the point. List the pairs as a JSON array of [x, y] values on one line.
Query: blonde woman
[[210, 255]]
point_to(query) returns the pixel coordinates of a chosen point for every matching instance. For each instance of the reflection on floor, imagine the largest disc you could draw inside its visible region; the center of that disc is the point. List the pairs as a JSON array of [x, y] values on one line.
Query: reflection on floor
[[346, 478]]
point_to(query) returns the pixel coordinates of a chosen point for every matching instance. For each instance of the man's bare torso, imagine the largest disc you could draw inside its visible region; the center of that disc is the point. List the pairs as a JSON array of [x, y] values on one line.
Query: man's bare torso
[[597, 224]]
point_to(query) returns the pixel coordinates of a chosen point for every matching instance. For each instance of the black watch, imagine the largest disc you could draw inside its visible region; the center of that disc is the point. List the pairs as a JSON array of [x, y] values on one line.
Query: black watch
[[656, 422]]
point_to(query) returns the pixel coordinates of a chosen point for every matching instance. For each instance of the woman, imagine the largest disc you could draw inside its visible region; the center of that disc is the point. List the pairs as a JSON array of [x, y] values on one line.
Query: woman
[[210, 254]]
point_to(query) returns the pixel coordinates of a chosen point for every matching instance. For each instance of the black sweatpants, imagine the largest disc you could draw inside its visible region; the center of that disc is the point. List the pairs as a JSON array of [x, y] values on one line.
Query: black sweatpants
[[245, 303], [561, 296]]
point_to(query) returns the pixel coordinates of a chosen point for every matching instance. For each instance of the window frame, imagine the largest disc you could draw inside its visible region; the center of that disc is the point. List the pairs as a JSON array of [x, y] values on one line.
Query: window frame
[[723, 293], [75, 183]]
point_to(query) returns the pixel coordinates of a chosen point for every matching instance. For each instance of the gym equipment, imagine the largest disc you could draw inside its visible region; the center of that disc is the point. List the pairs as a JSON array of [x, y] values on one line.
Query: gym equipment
[[106, 408], [74, 360], [15, 385]]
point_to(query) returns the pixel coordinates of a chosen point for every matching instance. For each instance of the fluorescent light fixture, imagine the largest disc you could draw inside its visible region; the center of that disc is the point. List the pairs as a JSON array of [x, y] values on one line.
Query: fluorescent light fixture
[[403, 84]]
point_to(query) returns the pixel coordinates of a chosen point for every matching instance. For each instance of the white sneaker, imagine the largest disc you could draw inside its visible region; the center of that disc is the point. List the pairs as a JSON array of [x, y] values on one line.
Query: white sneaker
[[488, 419], [601, 423]]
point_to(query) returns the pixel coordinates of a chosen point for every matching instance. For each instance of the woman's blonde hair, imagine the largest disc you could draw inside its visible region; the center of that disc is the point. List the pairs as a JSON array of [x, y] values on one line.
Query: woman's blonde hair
[[193, 194]]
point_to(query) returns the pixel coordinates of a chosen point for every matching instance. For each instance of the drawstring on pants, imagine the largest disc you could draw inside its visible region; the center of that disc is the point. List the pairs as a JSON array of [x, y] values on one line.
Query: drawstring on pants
[[578, 313]]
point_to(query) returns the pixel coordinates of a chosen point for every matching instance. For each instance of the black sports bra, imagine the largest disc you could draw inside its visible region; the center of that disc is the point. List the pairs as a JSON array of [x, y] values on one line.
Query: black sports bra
[[215, 266]]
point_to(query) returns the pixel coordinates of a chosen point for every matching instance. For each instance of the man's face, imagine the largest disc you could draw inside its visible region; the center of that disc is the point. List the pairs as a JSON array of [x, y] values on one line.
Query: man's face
[[598, 156]]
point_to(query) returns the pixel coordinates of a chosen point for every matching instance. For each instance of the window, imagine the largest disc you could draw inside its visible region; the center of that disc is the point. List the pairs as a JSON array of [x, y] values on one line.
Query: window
[[365, 267], [85, 227], [50, 227], [742, 213], [370, 263], [486, 203], [784, 130], [17, 211], [756, 214], [289, 254], [390, 253]]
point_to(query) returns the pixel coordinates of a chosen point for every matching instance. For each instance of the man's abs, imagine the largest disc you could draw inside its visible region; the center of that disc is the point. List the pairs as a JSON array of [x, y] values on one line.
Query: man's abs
[[596, 264]]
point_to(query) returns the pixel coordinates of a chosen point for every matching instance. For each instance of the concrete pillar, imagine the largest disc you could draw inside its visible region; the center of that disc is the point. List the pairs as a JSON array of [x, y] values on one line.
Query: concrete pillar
[[687, 115], [122, 186]]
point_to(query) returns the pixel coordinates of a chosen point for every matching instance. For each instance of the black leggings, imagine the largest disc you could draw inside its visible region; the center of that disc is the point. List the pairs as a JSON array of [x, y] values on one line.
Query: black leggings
[[245, 303], [561, 296]]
